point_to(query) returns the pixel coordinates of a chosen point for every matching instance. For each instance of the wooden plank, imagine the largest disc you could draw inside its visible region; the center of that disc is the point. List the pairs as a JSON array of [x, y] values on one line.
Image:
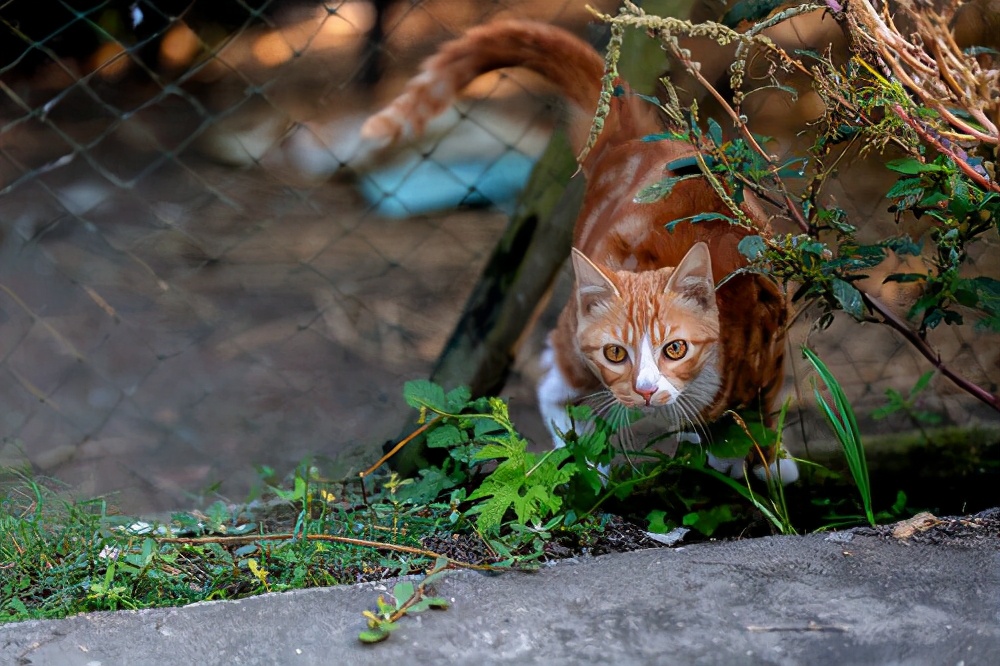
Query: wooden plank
[[516, 279]]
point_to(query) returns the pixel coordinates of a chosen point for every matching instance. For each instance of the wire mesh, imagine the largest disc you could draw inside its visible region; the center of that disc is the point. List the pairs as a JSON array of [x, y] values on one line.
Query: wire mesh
[[202, 269]]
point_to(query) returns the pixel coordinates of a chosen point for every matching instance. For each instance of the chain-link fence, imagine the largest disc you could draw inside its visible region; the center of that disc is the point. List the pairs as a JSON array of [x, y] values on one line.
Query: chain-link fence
[[203, 269]]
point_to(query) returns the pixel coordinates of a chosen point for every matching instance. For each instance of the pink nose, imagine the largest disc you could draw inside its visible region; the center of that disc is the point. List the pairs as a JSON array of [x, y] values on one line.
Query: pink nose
[[646, 393]]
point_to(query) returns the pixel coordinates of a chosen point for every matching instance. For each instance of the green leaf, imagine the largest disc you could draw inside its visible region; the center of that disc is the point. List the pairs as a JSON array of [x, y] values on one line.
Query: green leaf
[[457, 399], [849, 298], [428, 487], [660, 189], [486, 426], [988, 291], [655, 520], [700, 217], [900, 504], [922, 383], [377, 634], [903, 245], [437, 603], [420, 393], [967, 297], [912, 166], [752, 247], [933, 199], [707, 521], [733, 441], [906, 187], [836, 218], [532, 497], [715, 131], [446, 436], [402, 591], [663, 136]]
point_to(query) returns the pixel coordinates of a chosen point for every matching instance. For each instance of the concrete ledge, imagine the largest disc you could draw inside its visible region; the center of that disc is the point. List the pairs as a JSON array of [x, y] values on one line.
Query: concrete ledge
[[818, 599]]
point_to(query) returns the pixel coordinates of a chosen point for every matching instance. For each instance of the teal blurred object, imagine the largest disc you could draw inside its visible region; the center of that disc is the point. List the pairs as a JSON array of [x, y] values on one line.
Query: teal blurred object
[[422, 185], [750, 10]]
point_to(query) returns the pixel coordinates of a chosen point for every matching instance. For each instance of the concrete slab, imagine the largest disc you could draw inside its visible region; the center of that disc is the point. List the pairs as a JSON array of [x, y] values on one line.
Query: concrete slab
[[821, 599]]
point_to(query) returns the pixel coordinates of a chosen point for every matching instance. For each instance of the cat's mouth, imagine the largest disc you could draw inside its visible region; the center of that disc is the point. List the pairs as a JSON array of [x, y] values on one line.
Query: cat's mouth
[[648, 408]]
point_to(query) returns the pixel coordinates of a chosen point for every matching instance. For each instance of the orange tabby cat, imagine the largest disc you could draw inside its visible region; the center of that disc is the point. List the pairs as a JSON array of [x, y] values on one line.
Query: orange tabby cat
[[646, 327]]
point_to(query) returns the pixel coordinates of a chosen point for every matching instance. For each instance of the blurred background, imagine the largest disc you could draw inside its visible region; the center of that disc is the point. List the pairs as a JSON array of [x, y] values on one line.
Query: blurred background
[[204, 270]]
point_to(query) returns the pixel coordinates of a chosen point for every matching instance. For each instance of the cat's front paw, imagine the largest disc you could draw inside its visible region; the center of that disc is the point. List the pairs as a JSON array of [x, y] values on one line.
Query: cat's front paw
[[785, 470], [692, 437], [734, 467]]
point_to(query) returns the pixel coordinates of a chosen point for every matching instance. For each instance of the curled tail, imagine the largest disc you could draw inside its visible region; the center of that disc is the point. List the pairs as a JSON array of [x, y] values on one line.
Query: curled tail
[[568, 62]]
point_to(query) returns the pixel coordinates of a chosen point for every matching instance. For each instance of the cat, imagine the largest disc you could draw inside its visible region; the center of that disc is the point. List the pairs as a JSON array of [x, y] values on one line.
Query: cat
[[645, 328]]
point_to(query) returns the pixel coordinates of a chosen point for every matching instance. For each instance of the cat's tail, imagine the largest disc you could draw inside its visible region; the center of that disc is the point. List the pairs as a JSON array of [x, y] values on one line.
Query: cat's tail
[[572, 65]]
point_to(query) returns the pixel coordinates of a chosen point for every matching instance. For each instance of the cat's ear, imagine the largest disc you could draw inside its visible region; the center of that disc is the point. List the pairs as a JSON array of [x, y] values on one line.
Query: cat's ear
[[693, 276], [594, 288]]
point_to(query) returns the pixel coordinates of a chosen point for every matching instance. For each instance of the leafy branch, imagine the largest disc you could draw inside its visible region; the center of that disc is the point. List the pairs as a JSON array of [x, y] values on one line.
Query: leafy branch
[[921, 94]]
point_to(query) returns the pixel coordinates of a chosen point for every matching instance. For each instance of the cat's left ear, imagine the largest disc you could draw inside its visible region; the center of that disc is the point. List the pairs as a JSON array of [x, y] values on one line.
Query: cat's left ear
[[693, 276]]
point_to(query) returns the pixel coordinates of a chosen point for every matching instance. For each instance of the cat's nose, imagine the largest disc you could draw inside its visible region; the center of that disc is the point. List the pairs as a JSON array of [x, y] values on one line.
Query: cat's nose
[[646, 393]]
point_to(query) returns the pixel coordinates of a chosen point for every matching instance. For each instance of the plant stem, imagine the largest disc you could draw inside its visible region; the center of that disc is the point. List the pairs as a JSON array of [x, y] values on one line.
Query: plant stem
[[379, 545], [892, 320]]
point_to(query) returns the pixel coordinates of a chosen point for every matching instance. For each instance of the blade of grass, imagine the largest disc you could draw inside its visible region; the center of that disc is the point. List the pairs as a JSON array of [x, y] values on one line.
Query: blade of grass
[[842, 421]]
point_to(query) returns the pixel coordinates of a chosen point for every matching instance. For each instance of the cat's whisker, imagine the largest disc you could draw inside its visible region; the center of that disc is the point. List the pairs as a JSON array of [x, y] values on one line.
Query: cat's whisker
[[603, 393], [623, 425], [606, 408], [691, 417]]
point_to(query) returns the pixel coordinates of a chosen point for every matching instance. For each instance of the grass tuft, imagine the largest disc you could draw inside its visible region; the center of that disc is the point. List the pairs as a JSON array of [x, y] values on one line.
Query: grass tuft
[[840, 417]]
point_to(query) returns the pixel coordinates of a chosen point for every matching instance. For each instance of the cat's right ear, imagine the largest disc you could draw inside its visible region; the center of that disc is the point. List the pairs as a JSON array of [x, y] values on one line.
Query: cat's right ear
[[594, 288], [693, 276]]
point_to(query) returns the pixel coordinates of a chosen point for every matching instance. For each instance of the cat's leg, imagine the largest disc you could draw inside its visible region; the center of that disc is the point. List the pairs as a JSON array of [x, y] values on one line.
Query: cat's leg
[[685, 436], [734, 467], [554, 393], [784, 469]]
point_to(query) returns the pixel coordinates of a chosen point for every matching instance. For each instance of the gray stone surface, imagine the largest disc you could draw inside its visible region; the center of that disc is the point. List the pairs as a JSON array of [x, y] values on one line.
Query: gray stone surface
[[837, 599]]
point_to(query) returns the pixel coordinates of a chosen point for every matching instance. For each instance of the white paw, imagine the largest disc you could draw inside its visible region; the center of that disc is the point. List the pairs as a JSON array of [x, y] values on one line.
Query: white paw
[[783, 469], [734, 467], [692, 437]]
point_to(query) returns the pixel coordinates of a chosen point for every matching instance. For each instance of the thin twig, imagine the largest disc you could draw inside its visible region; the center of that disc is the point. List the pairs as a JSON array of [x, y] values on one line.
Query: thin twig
[[974, 175], [893, 321], [748, 136], [378, 545], [409, 438]]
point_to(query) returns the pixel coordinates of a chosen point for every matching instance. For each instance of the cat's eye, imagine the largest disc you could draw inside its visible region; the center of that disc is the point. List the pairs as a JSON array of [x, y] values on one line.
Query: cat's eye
[[675, 350], [615, 353]]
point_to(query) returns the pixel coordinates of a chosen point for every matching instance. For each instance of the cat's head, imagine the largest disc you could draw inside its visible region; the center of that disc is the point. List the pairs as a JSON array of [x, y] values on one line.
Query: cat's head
[[651, 337]]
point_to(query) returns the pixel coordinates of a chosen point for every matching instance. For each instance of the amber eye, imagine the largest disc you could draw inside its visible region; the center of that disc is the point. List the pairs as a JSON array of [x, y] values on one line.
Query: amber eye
[[675, 350], [615, 353]]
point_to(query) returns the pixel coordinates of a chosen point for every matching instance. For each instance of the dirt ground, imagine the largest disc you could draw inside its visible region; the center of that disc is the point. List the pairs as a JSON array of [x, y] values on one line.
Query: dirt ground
[[173, 315]]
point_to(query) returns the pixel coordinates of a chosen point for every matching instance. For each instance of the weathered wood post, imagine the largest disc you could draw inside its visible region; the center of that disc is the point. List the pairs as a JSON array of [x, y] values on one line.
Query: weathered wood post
[[516, 278]]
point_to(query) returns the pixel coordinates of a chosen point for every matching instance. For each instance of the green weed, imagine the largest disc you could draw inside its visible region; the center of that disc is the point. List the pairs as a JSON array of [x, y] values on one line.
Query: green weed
[[842, 421], [406, 599], [910, 405], [513, 493]]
